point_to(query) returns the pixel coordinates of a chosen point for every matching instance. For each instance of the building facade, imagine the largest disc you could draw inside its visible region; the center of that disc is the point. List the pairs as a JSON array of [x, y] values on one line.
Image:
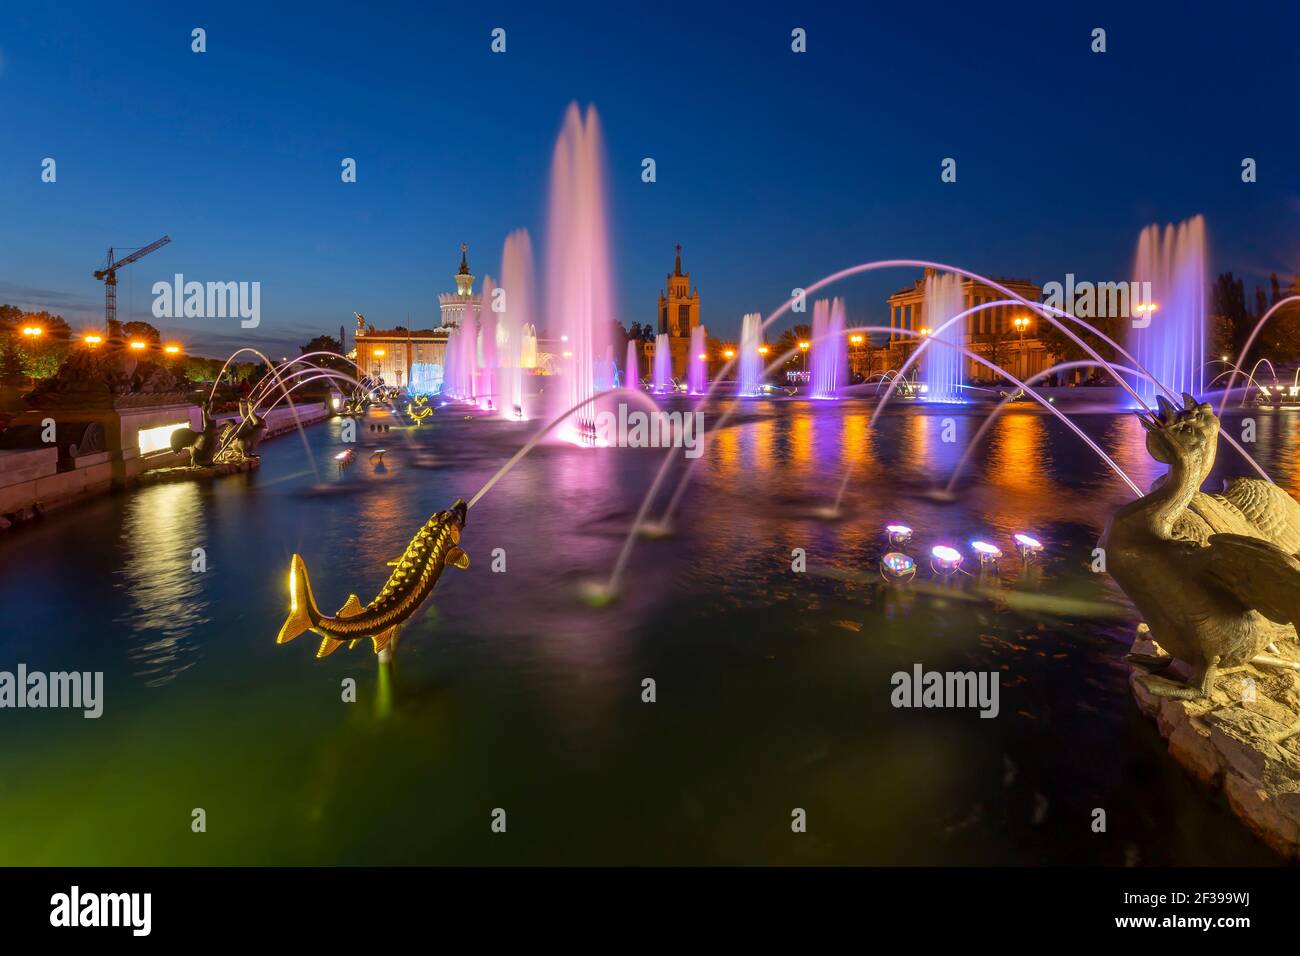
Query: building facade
[[1006, 335], [678, 313], [400, 356]]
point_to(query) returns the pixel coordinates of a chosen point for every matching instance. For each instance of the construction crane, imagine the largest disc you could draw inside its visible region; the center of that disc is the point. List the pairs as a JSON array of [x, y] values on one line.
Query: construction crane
[[108, 275]]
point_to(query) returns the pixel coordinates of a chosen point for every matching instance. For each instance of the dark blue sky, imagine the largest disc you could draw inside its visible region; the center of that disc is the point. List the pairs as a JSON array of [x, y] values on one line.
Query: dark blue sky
[[773, 168]]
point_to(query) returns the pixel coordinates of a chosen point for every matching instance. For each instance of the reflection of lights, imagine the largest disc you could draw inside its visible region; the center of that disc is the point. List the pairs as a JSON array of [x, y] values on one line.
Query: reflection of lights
[[944, 559], [568, 355], [564, 338], [898, 533], [897, 565], [1028, 545]]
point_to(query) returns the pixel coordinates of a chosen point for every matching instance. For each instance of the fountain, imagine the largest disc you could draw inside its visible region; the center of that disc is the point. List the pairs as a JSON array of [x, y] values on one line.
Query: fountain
[[632, 370], [514, 325], [941, 364], [829, 359], [751, 360], [698, 374], [1171, 342], [663, 376], [578, 297]]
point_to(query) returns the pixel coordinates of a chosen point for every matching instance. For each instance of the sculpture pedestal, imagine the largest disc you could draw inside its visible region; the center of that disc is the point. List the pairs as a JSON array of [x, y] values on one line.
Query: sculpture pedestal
[[1223, 741]]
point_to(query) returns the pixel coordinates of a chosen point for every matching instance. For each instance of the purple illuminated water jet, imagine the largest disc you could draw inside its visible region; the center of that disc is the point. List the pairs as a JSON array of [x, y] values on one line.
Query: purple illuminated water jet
[[578, 293], [1170, 341], [829, 359], [751, 360], [698, 374], [663, 375], [632, 368], [941, 365]]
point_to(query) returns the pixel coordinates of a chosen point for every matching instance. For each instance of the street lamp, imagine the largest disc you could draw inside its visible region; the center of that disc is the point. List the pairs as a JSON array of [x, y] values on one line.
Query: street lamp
[[33, 331], [729, 353], [137, 345], [1021, 323], [172, 349], [803, 363], [91, 339]]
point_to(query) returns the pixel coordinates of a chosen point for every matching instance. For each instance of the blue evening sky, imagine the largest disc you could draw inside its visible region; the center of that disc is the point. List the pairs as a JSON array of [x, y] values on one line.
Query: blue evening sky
[[773, 168]]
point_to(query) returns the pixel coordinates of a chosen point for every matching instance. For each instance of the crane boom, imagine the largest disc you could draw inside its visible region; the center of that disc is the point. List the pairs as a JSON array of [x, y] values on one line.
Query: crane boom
[[109, 277]]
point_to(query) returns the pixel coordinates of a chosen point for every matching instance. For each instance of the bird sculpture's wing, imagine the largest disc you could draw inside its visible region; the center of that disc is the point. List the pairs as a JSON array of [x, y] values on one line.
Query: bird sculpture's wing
[[1274, 514], [1261, 575]]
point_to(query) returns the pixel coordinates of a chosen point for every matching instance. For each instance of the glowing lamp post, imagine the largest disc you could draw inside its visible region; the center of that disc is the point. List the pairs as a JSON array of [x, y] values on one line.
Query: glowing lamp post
[[33, 331], [804, 347], [137, 345], [729, 353], [92, 340], [172, 349]]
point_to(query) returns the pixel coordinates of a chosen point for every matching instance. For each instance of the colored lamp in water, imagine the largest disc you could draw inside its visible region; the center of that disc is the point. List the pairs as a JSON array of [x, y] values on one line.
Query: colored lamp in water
[[1028, 545], [897, 566], [945, 560], [898, 533], [989, 553]]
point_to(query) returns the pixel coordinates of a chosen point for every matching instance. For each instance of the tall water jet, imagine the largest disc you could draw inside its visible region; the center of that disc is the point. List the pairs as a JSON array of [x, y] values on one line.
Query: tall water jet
[[515, 350], [697, 379], [578, 297], [663, 376], [488, 340], [1170, 340], [632, 369], [751, 360], [941, 364], [829, 366]]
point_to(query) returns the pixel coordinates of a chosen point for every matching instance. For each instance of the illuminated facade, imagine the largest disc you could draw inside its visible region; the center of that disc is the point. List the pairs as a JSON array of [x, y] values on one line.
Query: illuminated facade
[[1006, 335], [391, 354], [678, 313]]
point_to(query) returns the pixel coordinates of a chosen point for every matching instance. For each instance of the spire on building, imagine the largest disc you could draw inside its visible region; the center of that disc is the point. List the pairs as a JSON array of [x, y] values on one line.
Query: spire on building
[[677, 268], [464, 278]]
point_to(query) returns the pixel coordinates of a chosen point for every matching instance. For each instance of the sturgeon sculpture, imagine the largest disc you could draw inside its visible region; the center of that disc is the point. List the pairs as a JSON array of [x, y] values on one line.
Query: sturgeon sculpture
[[1215, 576], [415, 573]]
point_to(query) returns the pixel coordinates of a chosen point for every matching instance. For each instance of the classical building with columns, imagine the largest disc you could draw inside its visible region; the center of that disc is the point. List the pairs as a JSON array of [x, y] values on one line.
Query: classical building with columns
[[1006, 335]]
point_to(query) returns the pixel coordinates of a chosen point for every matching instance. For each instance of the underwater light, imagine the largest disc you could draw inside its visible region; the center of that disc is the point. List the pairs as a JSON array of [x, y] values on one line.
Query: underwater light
[[897, 566], [989, 553], [1028, 545], [944, 559], [898, 533]]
